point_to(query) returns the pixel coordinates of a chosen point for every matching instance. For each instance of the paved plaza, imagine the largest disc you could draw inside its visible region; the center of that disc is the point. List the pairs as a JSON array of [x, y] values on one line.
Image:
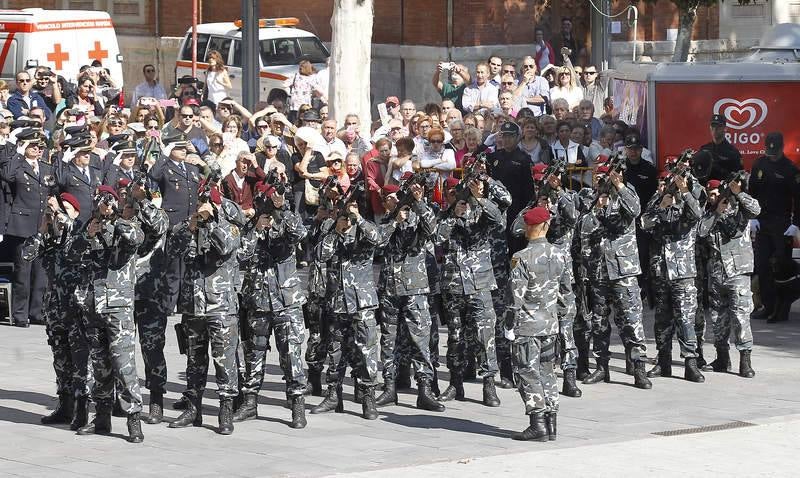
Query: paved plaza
[[608, 432]]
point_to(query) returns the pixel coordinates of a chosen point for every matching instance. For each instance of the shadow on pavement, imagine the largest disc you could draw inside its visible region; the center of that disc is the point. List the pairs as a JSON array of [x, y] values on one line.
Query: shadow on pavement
[[445, 423]]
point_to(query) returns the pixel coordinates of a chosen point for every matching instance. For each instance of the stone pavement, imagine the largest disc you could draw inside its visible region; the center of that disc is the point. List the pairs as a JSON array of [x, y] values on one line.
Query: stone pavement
[[610, 426]]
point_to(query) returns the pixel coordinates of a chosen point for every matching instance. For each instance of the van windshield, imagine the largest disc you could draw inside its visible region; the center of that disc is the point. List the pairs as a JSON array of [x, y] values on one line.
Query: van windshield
[[289, 51]]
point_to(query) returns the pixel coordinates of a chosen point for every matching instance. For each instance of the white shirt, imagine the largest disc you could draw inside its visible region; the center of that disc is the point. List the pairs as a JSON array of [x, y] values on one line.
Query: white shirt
[[337, 145], [573, 96], [145, 90], [34, 164], [570, 152], [474, 95], [239, 180]]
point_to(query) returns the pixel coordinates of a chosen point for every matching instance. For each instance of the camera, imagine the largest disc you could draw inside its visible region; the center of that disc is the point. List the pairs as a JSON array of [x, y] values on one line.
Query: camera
[[187, 80]]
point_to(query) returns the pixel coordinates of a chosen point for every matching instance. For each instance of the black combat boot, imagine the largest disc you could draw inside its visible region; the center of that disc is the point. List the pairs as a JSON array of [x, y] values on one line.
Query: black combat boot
[[537, 431], [551, 424], [63, 412], [570, 388], [435, 384], [455, 390], [368, 410], [80, 415], [691, 372], [425, 399], [762, 313], [135, 434], [181, 404], [117, 411], [629, 366], [248, 410], [600, 374], [490, 393], [315, 380], [225, 416], [722, 363], [298, 412], [701, 360], [745, 367], [192, 415], [403, 379], [101, 424], [358, 392], [156, 412], [663, 367], [640, 379], [506, 374], [582, 370], [470, 369], [332, 401], [388, 396]]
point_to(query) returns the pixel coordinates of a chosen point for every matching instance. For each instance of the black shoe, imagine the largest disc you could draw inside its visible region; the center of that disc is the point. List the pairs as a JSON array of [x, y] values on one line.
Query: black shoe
[[192, 415], [629, 366], [22, 324], [600, 374], [403, 379], [745, 367], [63, 412], [701, 361], [453, 391], [425, 400], [664, 366], [570, 388], [80, 414], [135, 434], [640, 379], [368, 410], [762, 313], [181, 403], [537, 431], [101, 424], [435, 384], [722, 363], [551, 424], [582, 370], [691, 372], [358, 392], [156, 412], [332, 401], [490, 393], [298, 412], [315, 380], [248, 410], [388, 396], [117, 410], [225, 417]]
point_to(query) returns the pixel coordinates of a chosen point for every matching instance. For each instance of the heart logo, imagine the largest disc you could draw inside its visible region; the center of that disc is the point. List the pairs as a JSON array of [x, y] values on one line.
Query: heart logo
[[742, 114]]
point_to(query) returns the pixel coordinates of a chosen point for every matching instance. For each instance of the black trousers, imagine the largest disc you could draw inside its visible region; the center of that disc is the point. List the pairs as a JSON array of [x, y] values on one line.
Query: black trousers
[[770, 249], [28, 284]]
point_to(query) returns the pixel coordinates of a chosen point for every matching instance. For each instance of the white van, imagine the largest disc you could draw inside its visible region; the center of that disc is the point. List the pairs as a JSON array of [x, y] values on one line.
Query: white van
[[64, 40], [281, 47]]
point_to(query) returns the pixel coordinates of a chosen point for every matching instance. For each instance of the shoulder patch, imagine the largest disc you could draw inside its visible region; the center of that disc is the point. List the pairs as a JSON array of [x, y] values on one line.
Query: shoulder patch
[[514, 261], [234, 230], [760, 173]]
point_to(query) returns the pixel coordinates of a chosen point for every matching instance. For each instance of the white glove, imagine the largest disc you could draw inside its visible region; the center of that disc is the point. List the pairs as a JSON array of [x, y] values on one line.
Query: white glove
[[754, 225], [792, 231], [509, 334]]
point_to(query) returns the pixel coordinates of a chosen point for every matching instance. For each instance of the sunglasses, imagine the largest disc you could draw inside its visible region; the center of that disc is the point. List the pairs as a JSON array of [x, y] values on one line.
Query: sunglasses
[[589, 72], [528, 66], [149, 70], [216, 145], [269, 146], [187, 116], [508, 83], [511, 72], [24, 80], [155, 126], [436, 141], [262, 126], [115, 123], [496, 64]]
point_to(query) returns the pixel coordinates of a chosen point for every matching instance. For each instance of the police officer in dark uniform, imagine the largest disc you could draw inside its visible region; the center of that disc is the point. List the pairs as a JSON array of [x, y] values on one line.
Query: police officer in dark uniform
[[30, 181], [77, 176], [725, 158], [122, 163]]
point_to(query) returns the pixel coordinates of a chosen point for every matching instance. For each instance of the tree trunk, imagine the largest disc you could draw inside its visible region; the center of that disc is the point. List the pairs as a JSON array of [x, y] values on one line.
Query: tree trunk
[[351, 55], [685, 30]]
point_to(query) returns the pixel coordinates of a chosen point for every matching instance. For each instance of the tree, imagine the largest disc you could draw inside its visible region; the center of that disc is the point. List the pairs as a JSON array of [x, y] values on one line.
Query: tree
[[351, 55]]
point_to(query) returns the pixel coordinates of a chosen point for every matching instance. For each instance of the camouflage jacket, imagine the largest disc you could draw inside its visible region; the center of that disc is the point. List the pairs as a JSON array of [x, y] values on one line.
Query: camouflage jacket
[[564, 217], [499, 195], [50, 245], [317, 269], [728, 236], [616, 233], [536, 272], [404, 270], [271, 283], [350, 281], [110, 265], [151, 260], [466, 245], [207, 287], [674, 231]]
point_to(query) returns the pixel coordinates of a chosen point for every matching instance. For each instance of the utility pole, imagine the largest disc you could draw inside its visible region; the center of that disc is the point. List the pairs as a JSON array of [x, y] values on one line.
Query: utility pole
[[250, 65], [601, 35]]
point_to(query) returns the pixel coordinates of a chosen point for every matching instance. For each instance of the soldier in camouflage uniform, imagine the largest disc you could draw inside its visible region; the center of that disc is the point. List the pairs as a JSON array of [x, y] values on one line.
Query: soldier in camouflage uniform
[[273, 297], [315, 310], [402, 289], [582, 327], [108, 247], [532, 323], [608, 244], [467, 281], [208, 241], [671, 217], [349, 244], [726, 228]]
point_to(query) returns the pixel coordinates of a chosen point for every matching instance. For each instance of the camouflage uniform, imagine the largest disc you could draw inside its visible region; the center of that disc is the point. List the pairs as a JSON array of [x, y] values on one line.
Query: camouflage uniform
[[316, 309], [673, 270], [498, 194], [273, 297], [582, 326], [106, 295]]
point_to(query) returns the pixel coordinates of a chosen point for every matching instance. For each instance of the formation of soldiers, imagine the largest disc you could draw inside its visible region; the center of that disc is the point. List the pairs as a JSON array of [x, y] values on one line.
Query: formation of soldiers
[[522, 285]]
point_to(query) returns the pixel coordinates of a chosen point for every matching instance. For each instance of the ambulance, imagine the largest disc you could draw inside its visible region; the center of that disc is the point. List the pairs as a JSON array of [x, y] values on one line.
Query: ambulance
[[63, 40], [281, 47]]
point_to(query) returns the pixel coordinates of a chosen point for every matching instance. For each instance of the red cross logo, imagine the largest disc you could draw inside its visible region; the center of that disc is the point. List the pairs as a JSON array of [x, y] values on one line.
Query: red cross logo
[[97, 53], [57, 56]]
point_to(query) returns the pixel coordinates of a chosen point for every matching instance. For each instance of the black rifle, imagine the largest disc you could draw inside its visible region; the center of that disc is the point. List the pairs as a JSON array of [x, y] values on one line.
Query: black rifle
[[557, 168], [725, 187], [616, 164], [405, 196]]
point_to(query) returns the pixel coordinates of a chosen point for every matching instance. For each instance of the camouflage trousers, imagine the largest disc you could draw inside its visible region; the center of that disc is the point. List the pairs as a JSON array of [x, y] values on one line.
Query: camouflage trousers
[[406, 348], [219, 331], [624, 295], [730, 305], [701, 284], [410, 311], [151, 321], [465, 311], [357, 333], [566, 314], [314, 314], [58, 340], [111, 338], [290, 333], [534, 371], [582, 325], [675, 304], [501, 271]]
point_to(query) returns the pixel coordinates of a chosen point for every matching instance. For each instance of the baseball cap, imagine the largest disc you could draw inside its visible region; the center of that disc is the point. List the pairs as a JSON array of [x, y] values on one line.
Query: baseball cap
[[538, 171], [536, 216], [718, 120], [633, 141], [392, 100], [509, 127], [773, 144]]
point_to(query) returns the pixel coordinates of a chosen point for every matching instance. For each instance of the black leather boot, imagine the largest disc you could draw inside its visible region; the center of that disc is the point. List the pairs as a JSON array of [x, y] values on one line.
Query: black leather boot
[[701, 360], [551, 424], [506, 374], [722, 363], [745, 367], [80, 415], [570, 388], [248, 410], [537, 431], [298, 412], [403, 378], [663, 367], [225, 417], [192, 415], [331, 402], [368, 410], [600, 374], [582, 346], [315, 380], [691, 372], [358, 392], [629, 366], [455, 390], [135, 434], [763, 313], [425, 399], [101, 424], [490, 398], [388, 396], [156, 411], [640, 379], [435, 384], [63, 412], [181, 403]]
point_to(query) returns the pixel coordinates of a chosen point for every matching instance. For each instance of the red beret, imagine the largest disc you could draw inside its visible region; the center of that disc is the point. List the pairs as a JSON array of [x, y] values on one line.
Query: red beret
[[450, 183], [107, 189], [538, 171], [123, 183], [713, 184], [536, 215], [67, 197], [216, 196], [663, 175], [602, 169], [602, 158], [406, 175], [390, 189]]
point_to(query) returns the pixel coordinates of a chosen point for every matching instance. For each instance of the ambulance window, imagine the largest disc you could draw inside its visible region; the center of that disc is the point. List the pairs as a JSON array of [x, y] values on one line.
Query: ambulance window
[[10, 65], [202, 41], [237, 54], [221, 44], [282, 51], [313, 49]]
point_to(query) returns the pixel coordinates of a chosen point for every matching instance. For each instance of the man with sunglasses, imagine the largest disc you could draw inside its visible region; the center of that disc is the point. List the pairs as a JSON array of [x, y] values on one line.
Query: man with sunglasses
[[150, 87], [24, 98], [533, 90], [48, 87], [595, 88]]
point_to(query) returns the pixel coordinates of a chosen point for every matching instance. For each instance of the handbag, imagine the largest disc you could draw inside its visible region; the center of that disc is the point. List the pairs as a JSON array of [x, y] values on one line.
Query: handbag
[[311, 194]]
